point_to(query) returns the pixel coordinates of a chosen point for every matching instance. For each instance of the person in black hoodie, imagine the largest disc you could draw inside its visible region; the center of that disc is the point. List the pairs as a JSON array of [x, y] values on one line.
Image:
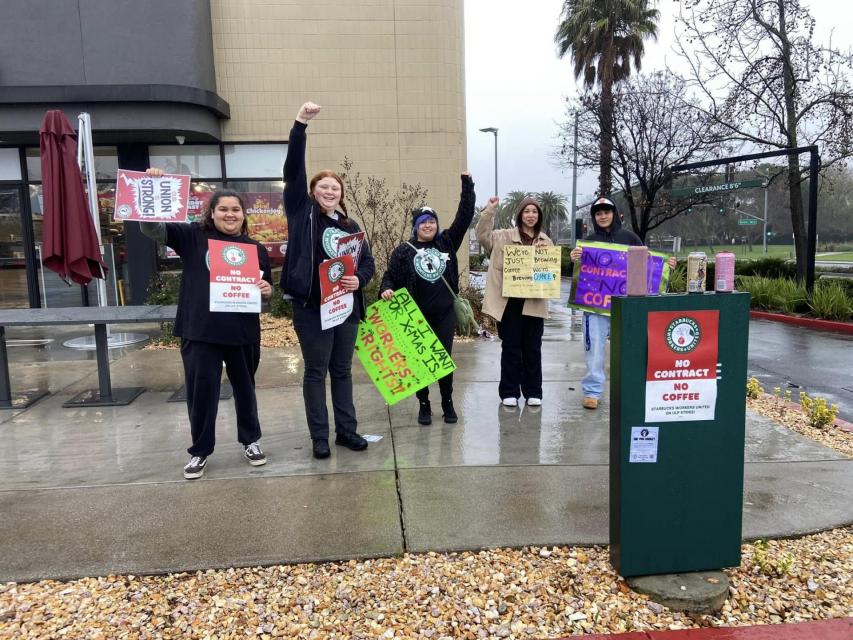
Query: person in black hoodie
[[316, 219], [209, 338], [428, 267], [596, 327]]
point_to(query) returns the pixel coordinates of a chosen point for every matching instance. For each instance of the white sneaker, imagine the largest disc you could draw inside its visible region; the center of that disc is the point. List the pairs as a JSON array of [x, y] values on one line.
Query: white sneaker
[[510, 402], [534, 402]]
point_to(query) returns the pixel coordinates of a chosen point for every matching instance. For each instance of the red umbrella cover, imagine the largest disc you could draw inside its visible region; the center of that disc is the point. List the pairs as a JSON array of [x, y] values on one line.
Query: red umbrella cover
[[70, 244]]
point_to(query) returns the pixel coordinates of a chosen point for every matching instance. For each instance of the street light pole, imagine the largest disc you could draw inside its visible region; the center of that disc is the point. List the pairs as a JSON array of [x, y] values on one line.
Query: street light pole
[[574, 185], [494, 130]]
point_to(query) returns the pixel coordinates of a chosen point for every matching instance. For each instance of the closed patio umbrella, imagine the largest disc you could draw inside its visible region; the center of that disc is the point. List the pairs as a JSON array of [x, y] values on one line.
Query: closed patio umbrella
[[70, 243]]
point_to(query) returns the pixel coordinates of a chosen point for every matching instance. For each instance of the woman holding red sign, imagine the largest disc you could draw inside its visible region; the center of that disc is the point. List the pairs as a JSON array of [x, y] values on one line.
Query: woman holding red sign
[[316, 219], [210, 338]]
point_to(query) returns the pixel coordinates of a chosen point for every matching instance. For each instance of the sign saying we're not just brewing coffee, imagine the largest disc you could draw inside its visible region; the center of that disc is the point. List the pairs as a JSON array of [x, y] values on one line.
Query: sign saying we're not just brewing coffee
[[681, 373]]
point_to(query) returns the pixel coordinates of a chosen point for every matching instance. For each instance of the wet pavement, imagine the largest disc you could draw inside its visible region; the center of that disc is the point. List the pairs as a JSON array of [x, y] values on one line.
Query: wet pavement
[[94, 491]]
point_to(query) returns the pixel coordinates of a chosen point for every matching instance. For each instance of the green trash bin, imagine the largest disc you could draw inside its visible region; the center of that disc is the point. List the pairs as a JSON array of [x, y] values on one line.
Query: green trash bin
[[678, 403]]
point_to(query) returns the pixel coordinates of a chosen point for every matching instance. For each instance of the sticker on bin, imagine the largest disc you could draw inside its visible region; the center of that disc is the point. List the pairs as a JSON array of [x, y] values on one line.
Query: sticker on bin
[[644, 444]]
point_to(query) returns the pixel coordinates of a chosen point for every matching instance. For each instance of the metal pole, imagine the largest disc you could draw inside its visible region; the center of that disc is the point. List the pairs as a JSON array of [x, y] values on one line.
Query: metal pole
[[574, 185], [765, 217], [814, 167], [496, 164]]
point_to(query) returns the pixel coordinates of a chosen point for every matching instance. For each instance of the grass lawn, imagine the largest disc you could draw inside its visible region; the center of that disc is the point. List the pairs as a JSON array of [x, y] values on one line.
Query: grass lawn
[[742, 252], [836, 257]]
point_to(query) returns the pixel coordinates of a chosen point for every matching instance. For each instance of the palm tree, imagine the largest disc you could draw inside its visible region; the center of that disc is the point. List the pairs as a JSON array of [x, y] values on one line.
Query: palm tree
[[554, 212], [508, 207], [603, 37]]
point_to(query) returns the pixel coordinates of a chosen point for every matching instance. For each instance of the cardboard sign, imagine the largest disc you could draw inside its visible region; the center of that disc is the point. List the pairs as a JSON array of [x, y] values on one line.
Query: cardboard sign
[[681, 374], [398, 349], [531, 272], [336, 303], [234, 277], [145, 198], [602, 273], [351, 246]]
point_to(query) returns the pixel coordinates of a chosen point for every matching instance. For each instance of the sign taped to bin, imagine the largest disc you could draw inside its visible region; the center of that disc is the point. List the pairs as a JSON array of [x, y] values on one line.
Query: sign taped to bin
[[681, 374], [398, 349], [531, 272]]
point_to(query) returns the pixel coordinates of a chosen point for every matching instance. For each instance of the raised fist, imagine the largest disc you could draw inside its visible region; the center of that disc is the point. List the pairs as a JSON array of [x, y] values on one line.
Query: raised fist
[[307, 111]]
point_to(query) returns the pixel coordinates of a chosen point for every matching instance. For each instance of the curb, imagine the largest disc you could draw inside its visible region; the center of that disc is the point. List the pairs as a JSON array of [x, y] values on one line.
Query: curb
[[833, 629], [841, 424], [811, 323]]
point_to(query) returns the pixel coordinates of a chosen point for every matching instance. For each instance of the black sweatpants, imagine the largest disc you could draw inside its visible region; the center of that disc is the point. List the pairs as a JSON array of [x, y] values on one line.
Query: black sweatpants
[[521, 352], [444, 328], [202, 374]]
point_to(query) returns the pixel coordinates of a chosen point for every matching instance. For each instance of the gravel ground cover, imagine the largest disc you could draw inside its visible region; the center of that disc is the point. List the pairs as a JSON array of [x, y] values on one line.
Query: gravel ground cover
[[502, 593]]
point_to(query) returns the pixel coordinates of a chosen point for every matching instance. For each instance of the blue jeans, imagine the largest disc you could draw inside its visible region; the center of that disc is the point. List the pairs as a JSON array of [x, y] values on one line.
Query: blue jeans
[[323, 352], [596, 329]]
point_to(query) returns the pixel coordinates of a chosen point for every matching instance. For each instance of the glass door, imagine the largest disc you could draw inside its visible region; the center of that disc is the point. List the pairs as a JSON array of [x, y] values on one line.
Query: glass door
[[14, 292]]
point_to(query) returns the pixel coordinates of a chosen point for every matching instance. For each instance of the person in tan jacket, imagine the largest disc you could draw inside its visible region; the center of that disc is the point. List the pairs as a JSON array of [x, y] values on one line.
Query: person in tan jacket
[[521, 321]]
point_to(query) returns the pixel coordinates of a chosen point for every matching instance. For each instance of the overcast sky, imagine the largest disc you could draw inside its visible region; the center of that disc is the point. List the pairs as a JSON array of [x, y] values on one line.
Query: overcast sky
[[515, 82]]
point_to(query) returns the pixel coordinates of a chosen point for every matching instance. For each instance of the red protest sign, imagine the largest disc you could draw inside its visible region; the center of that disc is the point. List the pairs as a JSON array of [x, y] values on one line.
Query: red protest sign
[[234, 276], [336, 303], [145, 198]]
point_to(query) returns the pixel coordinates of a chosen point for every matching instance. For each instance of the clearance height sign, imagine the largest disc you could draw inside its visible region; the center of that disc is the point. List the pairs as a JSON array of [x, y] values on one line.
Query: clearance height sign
[[681, 374]]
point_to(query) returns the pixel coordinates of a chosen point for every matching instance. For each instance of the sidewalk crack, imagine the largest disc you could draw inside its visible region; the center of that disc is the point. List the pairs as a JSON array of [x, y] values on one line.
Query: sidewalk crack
[[397, 482]]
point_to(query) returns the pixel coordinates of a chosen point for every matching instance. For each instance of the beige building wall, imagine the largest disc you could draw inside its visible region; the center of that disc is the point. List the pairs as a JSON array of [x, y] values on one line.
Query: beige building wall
[[389, 75]]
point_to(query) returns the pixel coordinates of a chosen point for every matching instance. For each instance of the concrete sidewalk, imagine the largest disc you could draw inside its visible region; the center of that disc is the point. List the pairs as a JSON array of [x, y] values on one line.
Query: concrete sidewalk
[[839, 629], [97, 491]]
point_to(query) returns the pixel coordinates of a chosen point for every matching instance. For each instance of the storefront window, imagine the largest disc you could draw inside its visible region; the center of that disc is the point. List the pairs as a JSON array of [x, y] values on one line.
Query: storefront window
[[106, 164], [265, 211], [254, 160], [10, 164], [196, 160]]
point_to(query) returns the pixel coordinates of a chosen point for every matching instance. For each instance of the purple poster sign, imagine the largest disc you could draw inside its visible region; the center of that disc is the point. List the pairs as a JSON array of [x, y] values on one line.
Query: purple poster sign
[[602, 273]]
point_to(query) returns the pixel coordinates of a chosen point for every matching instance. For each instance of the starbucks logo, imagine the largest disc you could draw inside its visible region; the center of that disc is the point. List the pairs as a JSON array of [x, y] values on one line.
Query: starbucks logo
[[683, 335], [234, 255], [123, 211], [330, 240], [335, 272], [430, 264]]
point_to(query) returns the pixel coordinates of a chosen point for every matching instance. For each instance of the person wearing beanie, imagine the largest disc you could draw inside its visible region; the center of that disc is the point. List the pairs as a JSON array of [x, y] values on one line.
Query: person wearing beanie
[[607, 227], [521, 321], [427, 266]]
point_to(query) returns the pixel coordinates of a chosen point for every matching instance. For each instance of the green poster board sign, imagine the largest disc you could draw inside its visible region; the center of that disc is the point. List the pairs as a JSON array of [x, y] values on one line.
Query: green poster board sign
[[398, 349]]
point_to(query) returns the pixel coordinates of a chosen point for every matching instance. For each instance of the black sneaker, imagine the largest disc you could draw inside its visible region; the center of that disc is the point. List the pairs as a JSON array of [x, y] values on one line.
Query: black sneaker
[[321, 449], [450, 416], [425, 413], [195, 467], [351, 441], [254, 455]]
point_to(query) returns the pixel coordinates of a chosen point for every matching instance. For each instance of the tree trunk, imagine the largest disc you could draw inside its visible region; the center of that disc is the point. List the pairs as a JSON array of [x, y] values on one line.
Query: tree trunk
[[605, 144], [795, 194]]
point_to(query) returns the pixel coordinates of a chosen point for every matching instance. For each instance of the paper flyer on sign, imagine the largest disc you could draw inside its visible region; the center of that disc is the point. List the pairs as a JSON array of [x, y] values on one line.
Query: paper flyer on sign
[[336, 303], [531, 272], [681, 373], [644, 444], [351, 246], [144, 198], [234, 277]]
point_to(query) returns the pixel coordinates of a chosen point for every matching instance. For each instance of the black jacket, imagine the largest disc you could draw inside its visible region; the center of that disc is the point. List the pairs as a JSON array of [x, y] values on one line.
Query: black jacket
[[401, 267], [615, 235], [302, 210]]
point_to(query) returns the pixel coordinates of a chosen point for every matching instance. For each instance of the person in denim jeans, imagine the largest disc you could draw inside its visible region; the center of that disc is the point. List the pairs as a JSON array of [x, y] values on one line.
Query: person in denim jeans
[[316, 219], [596, 327]]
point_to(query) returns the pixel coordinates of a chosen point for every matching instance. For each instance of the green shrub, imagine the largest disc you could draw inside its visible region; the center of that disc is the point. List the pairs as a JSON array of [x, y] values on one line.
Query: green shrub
[[770, 267], [279, 307], [566, 262], [771, 294], [163, 290], [753, 388], [819, 412], [832, 300], [475, 261], [371, 292]]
